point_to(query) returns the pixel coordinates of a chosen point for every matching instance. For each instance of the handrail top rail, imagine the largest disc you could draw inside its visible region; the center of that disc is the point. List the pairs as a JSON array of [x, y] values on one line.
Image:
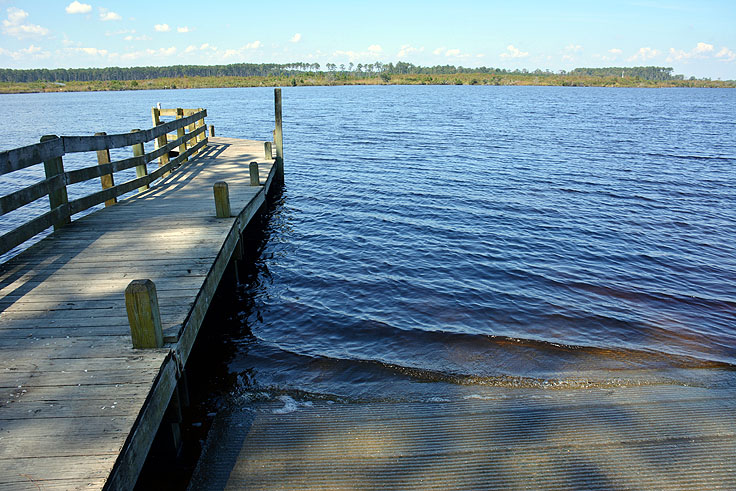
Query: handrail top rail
[[23, 157]]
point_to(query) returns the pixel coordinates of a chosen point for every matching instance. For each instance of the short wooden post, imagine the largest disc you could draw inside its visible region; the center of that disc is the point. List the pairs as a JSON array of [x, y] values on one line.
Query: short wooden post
[[268, 150], [222, 199], [57, 198], [255, 178], [141, 303], [140, 170], [278, 135], [180, 133], [103, 157], [212, 131]]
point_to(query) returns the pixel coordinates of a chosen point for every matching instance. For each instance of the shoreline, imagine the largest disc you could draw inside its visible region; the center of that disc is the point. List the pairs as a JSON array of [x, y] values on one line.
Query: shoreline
[[332, 79]]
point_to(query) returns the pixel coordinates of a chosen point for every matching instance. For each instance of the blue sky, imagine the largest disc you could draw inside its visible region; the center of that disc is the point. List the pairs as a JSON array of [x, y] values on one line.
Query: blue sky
[[694, 37]]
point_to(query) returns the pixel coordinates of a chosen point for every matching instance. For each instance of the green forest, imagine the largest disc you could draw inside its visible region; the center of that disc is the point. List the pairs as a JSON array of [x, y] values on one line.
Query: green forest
[[295, 74]]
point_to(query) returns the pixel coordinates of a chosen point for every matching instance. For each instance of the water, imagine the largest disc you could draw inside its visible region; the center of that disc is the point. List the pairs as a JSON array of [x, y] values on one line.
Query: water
[[435, 237]]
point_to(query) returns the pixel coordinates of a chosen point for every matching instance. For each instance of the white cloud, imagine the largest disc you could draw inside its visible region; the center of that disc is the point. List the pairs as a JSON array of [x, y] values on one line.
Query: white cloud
[[232, 53], [615, 51], [296, 38], [643, 54], [513, 52], [25, 53], [14, 26], [726, 54], [107, 15], [92, 51], [191, 48], [162, 28], [452, 52], [142, 37], [407, 50], [150, 53], [701, 50], [183, 29], [372, 51], [573, 48], [78, 8], [439, 51], [567, 58]]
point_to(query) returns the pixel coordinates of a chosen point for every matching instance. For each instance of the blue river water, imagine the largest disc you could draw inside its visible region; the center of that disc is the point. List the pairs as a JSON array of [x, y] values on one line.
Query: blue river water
[[429, 236]]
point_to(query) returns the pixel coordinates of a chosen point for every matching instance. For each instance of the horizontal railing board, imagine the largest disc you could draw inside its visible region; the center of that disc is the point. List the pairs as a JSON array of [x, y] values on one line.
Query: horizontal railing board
[[20, 158], [23, 157], [37, 225], [32, 227], [102, 142], [27, 195], [93, 199]]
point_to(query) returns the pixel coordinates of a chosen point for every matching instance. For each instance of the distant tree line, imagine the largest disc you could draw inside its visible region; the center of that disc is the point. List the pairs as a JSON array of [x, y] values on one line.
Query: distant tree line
[[293, 69]]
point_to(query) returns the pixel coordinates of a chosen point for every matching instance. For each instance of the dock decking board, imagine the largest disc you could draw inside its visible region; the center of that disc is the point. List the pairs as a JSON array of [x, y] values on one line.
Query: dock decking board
[[78, 405]]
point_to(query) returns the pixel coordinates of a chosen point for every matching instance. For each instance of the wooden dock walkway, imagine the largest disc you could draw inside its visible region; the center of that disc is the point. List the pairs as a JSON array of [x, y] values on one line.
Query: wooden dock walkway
[[79, 405]]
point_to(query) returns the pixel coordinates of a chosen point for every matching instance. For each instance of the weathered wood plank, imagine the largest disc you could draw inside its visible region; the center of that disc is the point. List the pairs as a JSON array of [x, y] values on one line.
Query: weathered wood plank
[[22, 197], [20, 158], [101, 142], [33, 227], [60, 289]]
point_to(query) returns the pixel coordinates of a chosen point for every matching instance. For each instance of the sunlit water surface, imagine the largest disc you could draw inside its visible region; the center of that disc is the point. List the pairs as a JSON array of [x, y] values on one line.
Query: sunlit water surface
[[435, 237]]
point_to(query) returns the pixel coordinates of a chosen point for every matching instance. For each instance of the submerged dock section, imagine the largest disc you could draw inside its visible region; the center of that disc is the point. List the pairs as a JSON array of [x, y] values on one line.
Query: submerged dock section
[[97, 319]]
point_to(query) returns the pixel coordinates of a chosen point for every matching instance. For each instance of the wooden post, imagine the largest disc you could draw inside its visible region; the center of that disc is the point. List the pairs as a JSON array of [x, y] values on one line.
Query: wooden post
[[141, 303], [190, 127], [156, 116], [255, 178], [140, 170], [180, 132], [212, 131], [268, 150], [278, 135], [222, 199], [103, 157], [199, 124], [54, 167], [162, 142]]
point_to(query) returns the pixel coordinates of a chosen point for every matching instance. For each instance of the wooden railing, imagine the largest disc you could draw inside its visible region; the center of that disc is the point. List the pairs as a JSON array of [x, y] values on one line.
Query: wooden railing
[[52, 149]]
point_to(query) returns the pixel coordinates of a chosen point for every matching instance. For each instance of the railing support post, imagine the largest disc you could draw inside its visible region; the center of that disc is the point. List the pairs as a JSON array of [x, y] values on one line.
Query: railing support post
[[103, 157], [222, 199], [199, 124], [278, 136], [180, 133], [140, 170], [54, 167], [144, 317], [268, 150], [212, 131]]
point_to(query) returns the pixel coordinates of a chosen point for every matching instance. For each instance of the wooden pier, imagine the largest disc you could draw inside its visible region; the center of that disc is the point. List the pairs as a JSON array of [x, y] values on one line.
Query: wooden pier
[[97, 320]]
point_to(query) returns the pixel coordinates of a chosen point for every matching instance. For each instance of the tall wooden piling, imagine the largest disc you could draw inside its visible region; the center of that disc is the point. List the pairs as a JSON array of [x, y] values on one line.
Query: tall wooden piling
[[278, 135]]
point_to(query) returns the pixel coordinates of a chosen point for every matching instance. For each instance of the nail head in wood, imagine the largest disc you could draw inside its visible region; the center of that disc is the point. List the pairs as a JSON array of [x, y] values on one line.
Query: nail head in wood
[[144, 317], [222, 199], [255, 178]]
